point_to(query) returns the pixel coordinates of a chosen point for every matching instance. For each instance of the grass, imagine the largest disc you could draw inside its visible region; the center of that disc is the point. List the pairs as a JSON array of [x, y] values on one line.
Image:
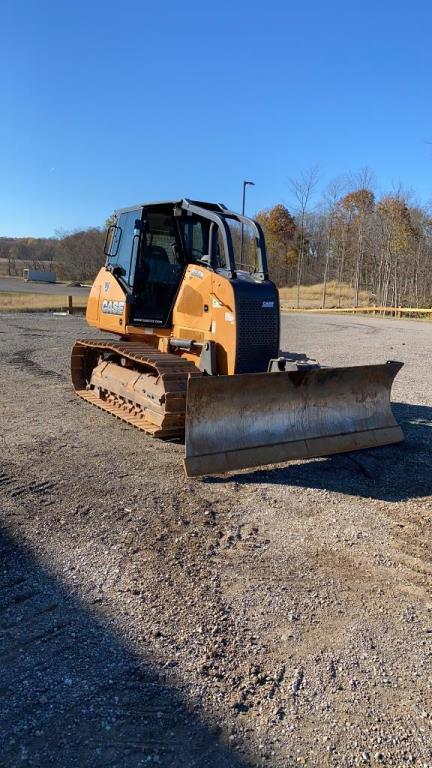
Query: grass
[[311, 296], [37, 302]]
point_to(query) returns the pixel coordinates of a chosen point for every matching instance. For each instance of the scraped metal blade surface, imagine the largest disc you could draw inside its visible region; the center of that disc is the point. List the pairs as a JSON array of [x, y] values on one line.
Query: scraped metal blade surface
[[246, 420]]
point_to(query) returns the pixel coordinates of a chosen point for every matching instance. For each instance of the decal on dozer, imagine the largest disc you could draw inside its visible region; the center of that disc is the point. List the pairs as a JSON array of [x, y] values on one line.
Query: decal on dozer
[[113, 307]]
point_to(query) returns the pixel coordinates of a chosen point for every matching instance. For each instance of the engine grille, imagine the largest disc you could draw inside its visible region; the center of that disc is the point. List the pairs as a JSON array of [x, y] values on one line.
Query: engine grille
[[257, 332]]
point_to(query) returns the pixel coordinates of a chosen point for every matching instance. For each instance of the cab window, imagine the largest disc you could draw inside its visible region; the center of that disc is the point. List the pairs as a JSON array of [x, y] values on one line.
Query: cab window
[[196, 235], [125, 244]]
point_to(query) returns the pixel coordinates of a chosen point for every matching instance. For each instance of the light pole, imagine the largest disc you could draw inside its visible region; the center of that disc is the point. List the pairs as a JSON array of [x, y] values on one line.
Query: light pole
[[245, 184]]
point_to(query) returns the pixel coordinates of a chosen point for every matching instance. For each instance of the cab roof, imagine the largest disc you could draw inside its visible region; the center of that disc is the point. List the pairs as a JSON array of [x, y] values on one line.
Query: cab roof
[[182, 203]]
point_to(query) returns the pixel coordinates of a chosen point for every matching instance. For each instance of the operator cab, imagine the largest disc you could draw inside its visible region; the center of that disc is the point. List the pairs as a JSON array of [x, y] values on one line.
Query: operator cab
[[150, 246]]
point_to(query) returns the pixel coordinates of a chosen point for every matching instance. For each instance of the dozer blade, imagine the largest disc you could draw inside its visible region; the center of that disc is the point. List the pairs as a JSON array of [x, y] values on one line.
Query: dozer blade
[[246, 420]]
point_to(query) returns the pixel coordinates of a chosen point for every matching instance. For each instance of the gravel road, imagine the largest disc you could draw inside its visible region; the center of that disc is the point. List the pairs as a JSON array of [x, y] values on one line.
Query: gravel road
[[17, 285], [278, 617]]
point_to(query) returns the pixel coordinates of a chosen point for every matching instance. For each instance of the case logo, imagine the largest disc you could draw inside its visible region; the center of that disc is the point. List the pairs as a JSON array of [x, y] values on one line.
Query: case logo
[[112, 307], [267, 304]]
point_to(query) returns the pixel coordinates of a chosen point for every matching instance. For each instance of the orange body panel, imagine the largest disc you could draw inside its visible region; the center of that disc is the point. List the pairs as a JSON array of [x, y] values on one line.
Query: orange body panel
[[106, 307], [204, 311]]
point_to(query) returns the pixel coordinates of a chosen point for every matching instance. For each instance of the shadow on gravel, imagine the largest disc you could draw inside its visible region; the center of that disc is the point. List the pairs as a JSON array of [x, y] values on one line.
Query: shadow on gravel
[[72, 693], [393, 473]]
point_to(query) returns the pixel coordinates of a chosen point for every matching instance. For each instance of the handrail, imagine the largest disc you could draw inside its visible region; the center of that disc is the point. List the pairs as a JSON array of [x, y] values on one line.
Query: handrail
[[397, 311]]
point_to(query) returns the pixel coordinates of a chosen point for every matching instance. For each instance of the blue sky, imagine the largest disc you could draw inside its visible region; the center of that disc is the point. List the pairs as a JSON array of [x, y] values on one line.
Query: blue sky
[[107, 104]]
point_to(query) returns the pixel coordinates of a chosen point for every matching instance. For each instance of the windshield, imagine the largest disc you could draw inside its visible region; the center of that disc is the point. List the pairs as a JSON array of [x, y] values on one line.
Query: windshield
[[195, 233]]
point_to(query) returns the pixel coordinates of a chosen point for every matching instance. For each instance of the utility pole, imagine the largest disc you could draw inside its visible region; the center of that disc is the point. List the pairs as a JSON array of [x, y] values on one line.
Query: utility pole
[[245, 184]]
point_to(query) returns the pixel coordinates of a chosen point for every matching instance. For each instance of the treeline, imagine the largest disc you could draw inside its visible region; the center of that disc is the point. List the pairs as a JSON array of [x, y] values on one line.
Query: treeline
[[380, 244], [72, 255]]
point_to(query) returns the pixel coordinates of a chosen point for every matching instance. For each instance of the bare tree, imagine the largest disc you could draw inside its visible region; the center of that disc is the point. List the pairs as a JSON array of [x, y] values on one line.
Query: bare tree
[[302, 189], [332, 197]]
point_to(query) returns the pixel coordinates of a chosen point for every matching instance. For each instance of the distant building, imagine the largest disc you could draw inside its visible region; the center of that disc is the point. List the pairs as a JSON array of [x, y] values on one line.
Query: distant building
[[39, 276]]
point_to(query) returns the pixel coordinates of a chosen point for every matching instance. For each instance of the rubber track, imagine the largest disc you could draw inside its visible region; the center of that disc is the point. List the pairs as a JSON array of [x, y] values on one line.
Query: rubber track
[[169, 369]]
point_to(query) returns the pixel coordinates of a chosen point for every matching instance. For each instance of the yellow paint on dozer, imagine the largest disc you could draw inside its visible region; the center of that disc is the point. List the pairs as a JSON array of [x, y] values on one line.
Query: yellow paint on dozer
[[248, 420]]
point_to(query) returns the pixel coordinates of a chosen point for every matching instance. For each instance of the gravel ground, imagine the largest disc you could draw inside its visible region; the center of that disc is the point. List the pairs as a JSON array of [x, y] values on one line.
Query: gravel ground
[[18, 285], [278, 617]]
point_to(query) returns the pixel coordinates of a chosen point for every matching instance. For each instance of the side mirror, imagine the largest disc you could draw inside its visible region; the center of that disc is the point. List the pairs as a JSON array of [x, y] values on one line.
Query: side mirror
[[118, 271], [112, 240]]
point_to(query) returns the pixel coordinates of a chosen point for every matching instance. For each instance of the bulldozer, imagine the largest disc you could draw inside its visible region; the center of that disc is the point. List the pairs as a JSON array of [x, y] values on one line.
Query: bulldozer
[[194, 348]]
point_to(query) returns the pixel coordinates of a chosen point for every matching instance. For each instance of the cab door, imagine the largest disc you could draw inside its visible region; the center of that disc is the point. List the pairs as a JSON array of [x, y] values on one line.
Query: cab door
[[123, 248], [159, 270]]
